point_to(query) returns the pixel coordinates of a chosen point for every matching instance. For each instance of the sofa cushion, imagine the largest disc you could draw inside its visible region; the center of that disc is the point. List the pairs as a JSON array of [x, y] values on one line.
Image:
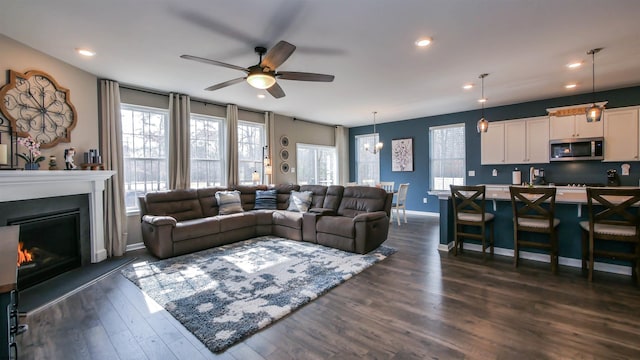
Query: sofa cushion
[[266, 199], [229, 202], [248, 195], [190, 229], [333, 197], [300, 201], [207, 198], [180, 204], [318, 194], [362, 199], [284, 192], [288, 219], [237, 221]]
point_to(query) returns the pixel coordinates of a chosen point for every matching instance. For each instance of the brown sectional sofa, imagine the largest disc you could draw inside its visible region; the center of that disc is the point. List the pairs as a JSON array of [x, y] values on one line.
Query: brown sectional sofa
[[353, 218]]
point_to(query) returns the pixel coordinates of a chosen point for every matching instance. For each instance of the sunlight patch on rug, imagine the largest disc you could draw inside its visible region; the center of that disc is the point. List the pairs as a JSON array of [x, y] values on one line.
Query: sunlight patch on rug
[[224, 294]]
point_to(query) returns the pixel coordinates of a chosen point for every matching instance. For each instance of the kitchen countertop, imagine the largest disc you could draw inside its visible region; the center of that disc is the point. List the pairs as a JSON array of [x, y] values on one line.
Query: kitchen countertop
[[564, 194]]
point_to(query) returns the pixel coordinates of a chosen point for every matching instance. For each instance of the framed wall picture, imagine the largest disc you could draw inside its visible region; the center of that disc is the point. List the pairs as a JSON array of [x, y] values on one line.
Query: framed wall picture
[[402, 154]]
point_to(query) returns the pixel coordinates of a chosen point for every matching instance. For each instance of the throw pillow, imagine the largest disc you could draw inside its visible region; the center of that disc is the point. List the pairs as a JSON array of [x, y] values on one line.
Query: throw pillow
[[229, 202], [266, 199], [300, 201]]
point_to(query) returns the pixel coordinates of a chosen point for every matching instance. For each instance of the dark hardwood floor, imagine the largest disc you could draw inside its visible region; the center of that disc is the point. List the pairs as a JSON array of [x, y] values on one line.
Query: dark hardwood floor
[[417, 304]]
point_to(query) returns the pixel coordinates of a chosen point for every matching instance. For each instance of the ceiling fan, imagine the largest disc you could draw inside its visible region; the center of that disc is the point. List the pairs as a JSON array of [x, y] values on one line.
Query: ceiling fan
[[263, 75]]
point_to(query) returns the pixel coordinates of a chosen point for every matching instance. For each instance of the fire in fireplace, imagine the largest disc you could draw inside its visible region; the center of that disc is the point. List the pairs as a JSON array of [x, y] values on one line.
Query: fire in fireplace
[[49, 245]]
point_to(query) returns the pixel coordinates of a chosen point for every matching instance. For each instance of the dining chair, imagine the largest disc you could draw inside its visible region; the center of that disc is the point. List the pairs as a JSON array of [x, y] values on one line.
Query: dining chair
[[388, 186], [614, 216], [469, 210], [534, 212], [399, 203]]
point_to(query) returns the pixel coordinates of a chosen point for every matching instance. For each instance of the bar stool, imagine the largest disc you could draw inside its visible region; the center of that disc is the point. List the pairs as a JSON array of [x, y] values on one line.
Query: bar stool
[[529, 215], [613, 217], [469, 210]]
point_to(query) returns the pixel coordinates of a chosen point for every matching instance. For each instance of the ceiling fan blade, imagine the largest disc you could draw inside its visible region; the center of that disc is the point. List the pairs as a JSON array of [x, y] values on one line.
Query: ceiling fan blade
[[225, 84], [214, 62], [276, 91], [277, 55], [304, 76]]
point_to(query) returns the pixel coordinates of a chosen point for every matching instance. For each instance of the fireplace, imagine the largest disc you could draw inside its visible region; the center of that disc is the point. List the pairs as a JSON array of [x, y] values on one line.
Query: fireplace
[[54, 235], [49, 246]]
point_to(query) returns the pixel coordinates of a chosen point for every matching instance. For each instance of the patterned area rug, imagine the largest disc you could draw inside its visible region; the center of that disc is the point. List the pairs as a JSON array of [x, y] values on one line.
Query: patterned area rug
[[225, 294]]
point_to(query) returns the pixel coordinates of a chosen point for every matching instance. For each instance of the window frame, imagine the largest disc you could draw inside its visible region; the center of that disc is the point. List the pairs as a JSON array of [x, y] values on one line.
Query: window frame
[[222, 144], [151, 110], [336, 175], [258, 162], [453, 180], [373, 138]]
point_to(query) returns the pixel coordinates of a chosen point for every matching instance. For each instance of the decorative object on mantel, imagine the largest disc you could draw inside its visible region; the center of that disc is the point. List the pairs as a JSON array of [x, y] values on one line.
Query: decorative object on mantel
[[33, 156], [53, 164], [594, 113], [379, 145], [402, 154], [68, 158], [8, 146], [483, 124], [37, 106]]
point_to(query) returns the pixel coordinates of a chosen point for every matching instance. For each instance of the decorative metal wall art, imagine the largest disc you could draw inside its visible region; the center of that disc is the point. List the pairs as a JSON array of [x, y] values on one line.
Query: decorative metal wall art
[[402, 154], [37, 106]]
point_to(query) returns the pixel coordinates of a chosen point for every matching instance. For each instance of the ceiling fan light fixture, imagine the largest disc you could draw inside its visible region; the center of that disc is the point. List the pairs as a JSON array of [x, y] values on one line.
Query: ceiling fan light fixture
[[261, 80]]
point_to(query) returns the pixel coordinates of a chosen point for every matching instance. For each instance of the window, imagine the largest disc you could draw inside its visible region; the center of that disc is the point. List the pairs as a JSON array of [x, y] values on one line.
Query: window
[[251, 139], [446, 156], [367, 163], [207, 151], [317, 165], [144, 151]]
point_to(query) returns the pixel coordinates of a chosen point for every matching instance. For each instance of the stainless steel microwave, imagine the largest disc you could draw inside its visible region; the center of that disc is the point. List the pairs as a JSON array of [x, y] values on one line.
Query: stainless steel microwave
[[576, 149]]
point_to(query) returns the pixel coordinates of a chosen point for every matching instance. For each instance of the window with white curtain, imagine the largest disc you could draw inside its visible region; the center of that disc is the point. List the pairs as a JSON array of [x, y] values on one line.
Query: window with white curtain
[[144, 150], [208, 155], [367, 163], [251, 140], [317, 164], [447, 160]]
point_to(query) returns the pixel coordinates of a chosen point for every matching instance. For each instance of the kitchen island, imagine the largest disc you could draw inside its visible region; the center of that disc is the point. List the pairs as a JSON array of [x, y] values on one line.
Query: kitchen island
[[571, 208]]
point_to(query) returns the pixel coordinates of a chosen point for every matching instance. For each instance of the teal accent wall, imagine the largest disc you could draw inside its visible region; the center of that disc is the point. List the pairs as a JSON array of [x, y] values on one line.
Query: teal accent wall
[[418, 129]]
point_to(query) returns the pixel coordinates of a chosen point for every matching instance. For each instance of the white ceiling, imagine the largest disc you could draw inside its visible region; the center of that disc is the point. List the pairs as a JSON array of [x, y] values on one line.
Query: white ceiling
[[367, 44]]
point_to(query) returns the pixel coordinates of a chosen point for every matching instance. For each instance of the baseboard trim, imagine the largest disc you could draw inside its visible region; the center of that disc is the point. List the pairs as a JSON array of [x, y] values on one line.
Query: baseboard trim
[[134, 246], [571, 262]]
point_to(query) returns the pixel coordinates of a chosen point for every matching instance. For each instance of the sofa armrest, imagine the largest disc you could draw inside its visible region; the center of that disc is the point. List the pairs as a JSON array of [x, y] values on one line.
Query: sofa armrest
[[309, 226], [159, 220], [370, 216]]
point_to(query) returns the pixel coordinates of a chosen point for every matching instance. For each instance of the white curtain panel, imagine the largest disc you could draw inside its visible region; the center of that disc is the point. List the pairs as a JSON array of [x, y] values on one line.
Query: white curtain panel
[[232, 146], [342, 150], [179, 140], [115, 213]]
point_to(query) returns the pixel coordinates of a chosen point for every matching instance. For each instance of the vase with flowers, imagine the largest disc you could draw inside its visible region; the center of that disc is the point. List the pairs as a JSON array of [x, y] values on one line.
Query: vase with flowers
[[33, 156]]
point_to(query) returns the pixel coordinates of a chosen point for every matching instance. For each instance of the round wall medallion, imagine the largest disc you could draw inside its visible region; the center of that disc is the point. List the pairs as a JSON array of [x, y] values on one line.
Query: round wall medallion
[[284, 140], [284, 154], [284, 167]]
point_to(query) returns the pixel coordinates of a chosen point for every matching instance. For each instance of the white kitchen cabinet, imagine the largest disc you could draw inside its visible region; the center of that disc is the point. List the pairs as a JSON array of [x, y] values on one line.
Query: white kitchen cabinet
[[492, 145], [621, 135], [574, 126], [523, 141]]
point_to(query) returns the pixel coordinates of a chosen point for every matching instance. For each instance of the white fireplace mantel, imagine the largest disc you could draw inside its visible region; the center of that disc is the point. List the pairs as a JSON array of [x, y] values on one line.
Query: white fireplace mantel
[[25, 185]]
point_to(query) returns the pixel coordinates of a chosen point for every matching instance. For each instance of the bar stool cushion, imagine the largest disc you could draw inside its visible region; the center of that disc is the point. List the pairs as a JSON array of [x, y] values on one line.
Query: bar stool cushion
[[537, 223], [609, 229], [474, 217]]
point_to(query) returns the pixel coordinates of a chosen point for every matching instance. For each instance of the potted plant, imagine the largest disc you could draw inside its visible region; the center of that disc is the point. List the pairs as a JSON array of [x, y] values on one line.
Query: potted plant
[[33, 156]]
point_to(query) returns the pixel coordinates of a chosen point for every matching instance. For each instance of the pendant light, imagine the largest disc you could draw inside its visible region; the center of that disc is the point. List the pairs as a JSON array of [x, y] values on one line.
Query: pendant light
[[483, 124], [594, 113], [378, 146]]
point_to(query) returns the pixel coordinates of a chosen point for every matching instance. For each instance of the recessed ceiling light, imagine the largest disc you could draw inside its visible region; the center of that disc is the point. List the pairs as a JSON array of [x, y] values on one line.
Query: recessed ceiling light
[[574, 65], [86, 52], [570, 86], [467, 86], [422, 42], [261, 96], [483, 100]]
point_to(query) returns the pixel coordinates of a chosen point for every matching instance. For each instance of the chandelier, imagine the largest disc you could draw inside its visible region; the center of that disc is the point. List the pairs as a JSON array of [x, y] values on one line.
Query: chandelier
[[378, 146]]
